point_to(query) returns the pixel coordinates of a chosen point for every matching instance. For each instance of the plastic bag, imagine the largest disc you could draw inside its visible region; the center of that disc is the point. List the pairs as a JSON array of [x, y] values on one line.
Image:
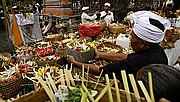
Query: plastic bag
[[89, 30]]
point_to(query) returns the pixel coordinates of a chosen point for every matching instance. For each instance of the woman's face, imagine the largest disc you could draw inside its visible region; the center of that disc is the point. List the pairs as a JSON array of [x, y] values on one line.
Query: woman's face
[[136, 42]]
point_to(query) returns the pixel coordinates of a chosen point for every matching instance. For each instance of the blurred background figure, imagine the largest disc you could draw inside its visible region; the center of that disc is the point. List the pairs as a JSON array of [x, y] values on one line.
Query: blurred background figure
[[107, 15], [85, 18]]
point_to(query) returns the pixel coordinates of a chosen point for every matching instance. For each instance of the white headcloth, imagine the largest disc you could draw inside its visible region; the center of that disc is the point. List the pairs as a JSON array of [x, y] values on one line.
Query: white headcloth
[[85, 8], [107, 4], [146, 31]]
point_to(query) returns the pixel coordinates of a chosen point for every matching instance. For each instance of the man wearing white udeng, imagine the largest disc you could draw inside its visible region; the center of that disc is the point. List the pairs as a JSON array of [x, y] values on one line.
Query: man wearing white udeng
[[85, 18], [107, 15]]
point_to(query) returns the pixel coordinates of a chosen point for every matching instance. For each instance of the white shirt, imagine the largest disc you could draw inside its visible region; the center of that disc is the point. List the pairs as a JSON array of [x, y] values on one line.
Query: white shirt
[[178, 22], [109, 18], [85, 18]]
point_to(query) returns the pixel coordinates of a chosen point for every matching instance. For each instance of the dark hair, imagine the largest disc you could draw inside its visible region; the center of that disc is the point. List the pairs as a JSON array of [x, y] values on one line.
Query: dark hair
[[166, 81]]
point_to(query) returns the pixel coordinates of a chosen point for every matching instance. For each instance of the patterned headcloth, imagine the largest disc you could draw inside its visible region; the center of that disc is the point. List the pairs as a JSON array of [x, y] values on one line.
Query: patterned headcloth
[[149, 26]]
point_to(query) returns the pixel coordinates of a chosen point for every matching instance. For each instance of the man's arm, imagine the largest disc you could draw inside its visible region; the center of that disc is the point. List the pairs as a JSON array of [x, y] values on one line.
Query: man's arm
[[110, 56], [93, 69], [90, 17]]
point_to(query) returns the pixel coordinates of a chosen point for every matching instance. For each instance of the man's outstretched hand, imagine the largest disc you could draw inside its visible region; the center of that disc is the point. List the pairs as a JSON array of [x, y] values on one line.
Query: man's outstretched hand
[[70, 59]]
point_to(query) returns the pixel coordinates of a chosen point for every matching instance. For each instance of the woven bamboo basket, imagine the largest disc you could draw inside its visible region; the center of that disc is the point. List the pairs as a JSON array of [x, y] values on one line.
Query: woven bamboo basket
[[110, 45], [117, 29], [12, 88], [44, 63], [81, 56], [41, 96]]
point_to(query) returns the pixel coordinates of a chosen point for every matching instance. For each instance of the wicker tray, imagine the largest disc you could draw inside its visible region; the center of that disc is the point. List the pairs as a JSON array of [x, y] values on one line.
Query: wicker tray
[[44, 63], [117, 29], [12, 88], [54, 39], [41, 96], [110, 45], [81, 56]]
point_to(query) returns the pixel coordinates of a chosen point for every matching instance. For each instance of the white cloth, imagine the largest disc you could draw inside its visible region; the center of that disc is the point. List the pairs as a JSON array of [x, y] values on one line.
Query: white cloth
[[178, 22], [25, 30], [46, 28], [25, 20], [85, 18], [107, 4], [173, 53], [169, 2], [123, 41], [146, 31], [85, 8], [109, 18]]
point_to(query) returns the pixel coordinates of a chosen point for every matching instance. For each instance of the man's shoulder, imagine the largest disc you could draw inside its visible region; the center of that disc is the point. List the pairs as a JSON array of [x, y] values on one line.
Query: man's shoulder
[[102, 12]]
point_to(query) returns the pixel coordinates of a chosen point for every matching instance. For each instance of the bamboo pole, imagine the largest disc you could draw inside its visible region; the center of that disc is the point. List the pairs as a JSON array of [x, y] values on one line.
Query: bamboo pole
[[133, 82], [117, 88], [109, 90], [126, 86], [144, 91], [151, 86]]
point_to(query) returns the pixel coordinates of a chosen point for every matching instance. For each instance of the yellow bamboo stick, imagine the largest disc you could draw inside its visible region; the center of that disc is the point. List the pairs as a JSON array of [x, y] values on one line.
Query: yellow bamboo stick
[[98, 79], [84, 97], [126, 86], [62, 77], [67, 77], [151, 86], [89, 95], [133, 82], [144, 91], [49, 93], [109, 89], [58, 81], [87, 76], [51, 82], [83, 74], [71, 67], [60, 92], [117, 88], [48, 83], [102, 93], [71, 78], [82, 93]]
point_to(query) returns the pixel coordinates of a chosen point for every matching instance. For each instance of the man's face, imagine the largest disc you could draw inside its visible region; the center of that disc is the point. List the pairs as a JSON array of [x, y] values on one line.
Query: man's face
[[87, 11], [106, 8], [135, 42]]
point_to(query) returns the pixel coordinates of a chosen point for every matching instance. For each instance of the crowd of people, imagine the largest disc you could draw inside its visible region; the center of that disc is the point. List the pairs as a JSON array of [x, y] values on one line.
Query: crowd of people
[[147, 32]]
